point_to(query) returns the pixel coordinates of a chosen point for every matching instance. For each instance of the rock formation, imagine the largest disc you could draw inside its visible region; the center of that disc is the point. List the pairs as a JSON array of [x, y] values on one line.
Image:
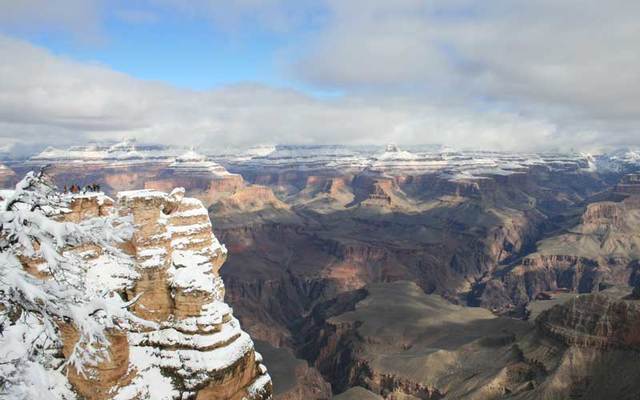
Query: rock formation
[[198, 350]]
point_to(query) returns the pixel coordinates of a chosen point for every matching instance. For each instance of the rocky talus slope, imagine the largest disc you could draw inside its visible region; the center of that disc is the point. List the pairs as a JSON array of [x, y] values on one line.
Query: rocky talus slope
[[198, 350]]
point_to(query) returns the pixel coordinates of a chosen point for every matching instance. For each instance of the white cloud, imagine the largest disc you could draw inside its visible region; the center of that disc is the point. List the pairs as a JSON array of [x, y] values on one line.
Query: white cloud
[[79, 17], [573, 62], [45, 98], [492, 74], [241, 15]]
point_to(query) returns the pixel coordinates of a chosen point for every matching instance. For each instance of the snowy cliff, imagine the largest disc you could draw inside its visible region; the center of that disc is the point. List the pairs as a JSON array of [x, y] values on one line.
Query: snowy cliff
[[182, 341]]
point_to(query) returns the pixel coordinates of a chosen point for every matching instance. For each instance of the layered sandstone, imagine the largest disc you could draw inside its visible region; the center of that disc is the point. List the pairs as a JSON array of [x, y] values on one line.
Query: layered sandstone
[[197, 350]]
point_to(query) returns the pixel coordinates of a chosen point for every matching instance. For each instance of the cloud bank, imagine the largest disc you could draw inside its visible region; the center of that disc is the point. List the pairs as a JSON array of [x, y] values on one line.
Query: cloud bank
[[496, 74]]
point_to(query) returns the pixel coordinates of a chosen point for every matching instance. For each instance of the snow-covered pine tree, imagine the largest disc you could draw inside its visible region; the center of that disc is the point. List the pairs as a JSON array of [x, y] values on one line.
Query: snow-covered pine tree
[[33, 307]]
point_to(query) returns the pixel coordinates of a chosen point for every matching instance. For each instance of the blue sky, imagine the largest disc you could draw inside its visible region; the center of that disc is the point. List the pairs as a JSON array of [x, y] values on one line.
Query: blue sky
[[188, 52]]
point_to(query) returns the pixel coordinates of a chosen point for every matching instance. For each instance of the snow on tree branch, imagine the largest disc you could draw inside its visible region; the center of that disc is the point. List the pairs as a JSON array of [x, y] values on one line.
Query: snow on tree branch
[[32, 307]]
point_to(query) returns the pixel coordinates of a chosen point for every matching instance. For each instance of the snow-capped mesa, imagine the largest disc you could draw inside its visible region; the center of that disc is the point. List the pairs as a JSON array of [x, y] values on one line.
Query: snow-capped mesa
[[391, 159], [84, 319], [393, 152], [620, 160], [193, 162], [127, 151], [204, 178], [306, 157], [260, 151]]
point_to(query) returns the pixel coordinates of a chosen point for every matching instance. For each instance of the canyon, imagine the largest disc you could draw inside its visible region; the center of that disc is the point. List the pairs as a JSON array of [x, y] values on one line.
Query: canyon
[[426, 272]]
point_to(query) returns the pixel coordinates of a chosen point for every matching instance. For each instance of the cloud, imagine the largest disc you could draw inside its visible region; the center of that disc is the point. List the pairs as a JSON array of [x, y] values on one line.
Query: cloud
[[494, 74], [573, 62], [245, 15], [48, 99], [82, 18]]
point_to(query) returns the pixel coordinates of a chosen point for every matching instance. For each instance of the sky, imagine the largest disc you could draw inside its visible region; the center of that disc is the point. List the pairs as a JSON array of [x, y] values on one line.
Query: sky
[[492, 74]]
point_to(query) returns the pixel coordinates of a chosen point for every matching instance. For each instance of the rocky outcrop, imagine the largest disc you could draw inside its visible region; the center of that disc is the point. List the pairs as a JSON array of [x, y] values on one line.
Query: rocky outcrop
[[198, 350]]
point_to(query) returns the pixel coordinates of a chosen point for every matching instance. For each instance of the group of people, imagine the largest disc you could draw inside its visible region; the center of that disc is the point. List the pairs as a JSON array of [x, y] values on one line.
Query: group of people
[[74, 188]]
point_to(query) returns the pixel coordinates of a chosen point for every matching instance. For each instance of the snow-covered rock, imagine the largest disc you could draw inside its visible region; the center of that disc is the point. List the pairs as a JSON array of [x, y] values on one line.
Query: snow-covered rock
[[127, 151], [192, 346]]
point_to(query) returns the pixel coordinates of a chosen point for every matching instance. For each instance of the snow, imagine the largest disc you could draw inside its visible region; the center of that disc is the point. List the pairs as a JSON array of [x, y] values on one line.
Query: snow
[[155, 257], [184, 362], [152, 251], [141, 194], [192, 163], [390, 160], [100, 197], [111, 273], [191, 271], [189, 229], [190, 201], [393, 152], [149, 383], [260, 151], [259, 384], [172, 337], [212, 314], [181, 242], [125, 152], [40, 382], [191, 156], [193, 212]]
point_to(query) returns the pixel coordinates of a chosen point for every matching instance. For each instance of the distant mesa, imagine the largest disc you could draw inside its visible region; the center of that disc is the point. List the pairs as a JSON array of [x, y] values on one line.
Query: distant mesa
[[206, 179]]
